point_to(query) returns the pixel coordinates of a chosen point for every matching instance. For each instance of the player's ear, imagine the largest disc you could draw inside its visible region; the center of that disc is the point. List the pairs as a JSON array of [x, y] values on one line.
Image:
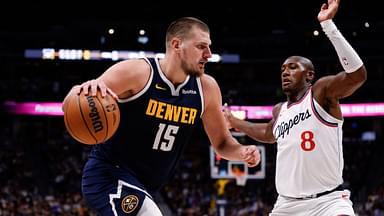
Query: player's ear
[[310, 76], [176, 43]]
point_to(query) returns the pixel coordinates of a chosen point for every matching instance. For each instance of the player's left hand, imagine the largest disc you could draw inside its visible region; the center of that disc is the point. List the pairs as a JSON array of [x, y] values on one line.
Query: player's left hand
[[251, 155], [328, 11]]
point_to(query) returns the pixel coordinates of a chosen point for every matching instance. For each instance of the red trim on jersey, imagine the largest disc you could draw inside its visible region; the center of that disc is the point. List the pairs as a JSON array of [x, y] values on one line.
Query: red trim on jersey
[[278, 115], [301, 99], [318, 116]]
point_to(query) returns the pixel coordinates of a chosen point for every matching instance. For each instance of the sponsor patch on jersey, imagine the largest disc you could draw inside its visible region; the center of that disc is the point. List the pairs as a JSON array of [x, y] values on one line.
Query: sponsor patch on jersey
[[129, 203], [190, 91]]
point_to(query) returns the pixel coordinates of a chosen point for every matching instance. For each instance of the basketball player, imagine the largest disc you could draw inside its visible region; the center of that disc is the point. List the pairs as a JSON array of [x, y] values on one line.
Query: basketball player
[[308, 130], [161, 101]]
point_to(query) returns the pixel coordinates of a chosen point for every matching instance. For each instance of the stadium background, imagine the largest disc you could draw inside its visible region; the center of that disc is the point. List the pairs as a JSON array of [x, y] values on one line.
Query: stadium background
[[40, 165]]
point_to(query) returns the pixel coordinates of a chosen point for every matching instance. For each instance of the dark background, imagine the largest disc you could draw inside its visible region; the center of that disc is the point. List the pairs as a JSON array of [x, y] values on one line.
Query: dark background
[[260, 29]]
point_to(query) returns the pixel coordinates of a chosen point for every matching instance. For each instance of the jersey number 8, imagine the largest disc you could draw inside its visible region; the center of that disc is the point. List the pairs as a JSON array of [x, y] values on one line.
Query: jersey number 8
[[307, 143]]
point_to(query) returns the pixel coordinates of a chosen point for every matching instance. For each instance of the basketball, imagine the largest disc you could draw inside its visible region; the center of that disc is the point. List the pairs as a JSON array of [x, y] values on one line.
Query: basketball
[[91, 119]]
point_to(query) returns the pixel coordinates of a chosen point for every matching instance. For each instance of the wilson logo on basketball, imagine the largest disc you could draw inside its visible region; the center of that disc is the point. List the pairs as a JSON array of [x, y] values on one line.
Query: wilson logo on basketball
[[94, 115], [129, 203]]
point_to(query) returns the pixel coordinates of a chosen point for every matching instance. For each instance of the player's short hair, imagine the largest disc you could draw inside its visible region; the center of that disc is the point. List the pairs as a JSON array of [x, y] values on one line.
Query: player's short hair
[[183, 26]]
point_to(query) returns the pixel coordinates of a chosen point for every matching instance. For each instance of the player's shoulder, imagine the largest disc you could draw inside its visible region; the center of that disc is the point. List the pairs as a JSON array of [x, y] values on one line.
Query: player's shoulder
[[276, 109], [208, 81], [277, 106], [131, 69], [209, 86], [127, 76], [322, 83], [134, 64]]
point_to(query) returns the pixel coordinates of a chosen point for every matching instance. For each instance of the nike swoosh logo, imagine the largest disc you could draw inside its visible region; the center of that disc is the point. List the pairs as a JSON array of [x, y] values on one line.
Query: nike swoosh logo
[[159, 87]]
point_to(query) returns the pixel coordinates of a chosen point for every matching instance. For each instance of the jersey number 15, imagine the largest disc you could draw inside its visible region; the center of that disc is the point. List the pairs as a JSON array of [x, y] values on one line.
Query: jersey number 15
[[165, 137]]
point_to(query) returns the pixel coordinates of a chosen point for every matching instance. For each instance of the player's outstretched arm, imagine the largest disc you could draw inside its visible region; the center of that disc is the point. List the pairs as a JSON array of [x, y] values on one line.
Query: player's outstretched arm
[[354, 75], [215, 126], [261, 132]]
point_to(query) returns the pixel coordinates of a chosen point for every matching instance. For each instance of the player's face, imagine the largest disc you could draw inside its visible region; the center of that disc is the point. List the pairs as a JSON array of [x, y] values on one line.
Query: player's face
[[195, 52], [292, 76]]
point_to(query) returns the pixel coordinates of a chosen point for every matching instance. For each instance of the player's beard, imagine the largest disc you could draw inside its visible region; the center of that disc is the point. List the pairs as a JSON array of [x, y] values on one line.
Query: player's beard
[[190, 70]]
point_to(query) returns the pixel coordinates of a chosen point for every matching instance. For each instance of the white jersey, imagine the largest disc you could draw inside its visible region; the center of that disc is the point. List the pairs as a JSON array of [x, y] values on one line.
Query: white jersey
[[309, 149]]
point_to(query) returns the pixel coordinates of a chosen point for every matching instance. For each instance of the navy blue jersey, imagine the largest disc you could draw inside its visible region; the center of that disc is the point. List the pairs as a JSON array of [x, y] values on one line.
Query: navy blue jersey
[[155, 125]]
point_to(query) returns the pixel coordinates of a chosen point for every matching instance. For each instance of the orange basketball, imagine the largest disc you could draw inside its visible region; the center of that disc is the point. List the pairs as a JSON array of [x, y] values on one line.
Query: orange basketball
[[91, 120]]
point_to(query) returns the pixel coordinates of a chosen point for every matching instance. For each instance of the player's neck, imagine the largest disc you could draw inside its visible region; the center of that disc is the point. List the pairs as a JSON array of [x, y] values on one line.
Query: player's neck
[[172, 71], [297, 95]]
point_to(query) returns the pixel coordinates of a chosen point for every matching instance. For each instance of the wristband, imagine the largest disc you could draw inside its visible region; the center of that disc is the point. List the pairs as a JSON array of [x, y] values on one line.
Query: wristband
[[348, 57]]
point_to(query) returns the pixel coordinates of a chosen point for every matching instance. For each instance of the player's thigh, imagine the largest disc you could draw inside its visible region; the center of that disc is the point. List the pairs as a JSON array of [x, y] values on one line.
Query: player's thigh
[[336, 204], [121, 199], [288, 207], [149, 208], [110, 190], [131, 202]]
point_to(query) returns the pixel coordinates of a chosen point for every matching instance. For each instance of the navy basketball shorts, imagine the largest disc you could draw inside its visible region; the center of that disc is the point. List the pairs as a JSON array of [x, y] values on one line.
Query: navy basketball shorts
[[110, 190]]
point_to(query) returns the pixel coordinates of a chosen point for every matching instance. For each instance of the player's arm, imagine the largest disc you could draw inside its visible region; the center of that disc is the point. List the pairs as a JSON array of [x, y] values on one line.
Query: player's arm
[[261, 132], [215, 126], [121, 80], [124, 78], [343, 84]]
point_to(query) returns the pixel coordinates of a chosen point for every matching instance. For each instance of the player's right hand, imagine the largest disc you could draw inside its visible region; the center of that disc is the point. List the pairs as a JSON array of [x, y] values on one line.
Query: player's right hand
[[250, 155], [92, 86]]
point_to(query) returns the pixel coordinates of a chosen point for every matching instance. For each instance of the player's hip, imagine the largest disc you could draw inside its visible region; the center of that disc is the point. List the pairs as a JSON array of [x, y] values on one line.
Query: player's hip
[[99, 176], [334, 203]]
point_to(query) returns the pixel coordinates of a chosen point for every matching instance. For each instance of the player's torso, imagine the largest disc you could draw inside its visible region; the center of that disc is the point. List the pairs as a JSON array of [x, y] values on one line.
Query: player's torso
[[155, 125], [309, 157]]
